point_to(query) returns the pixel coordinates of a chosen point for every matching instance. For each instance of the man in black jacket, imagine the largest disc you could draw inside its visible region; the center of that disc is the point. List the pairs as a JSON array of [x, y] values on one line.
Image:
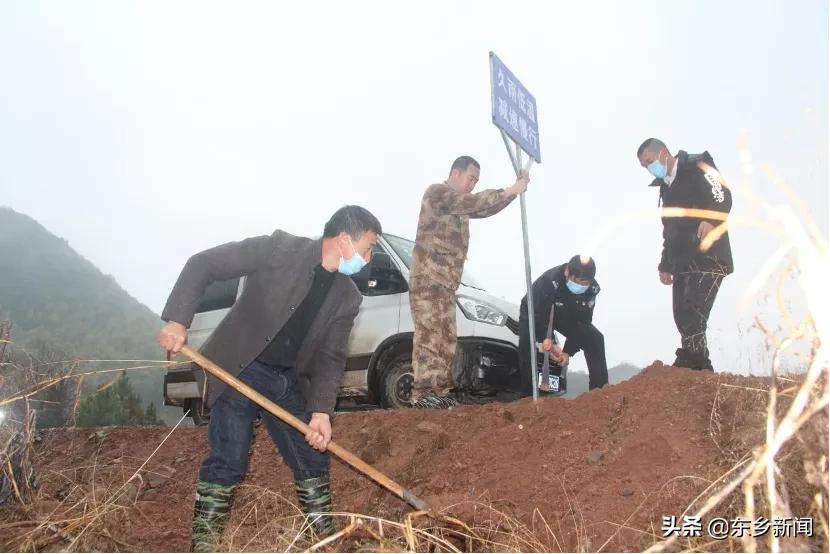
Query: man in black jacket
[[572, 289], [696, 252], [286, 337]]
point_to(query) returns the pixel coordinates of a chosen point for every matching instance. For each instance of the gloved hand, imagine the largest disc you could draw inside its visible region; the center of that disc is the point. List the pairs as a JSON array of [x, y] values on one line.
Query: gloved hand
[[556, 353]]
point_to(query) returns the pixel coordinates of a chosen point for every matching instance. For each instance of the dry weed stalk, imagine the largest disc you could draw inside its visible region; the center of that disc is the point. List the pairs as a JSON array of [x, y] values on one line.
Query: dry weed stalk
[[41, 385]]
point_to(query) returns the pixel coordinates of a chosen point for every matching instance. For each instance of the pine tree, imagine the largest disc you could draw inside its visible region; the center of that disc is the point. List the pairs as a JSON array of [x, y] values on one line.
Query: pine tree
[[150, 415], [115, 405]]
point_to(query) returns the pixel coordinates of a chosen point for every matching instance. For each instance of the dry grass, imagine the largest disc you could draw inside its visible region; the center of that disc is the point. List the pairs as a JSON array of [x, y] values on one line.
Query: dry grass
[[91, 515], [94, 501], [17, 475], [798, 467], [266, 521]]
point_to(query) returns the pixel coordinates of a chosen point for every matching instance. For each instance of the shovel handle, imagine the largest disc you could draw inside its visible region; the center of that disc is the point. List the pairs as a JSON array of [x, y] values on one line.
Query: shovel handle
[[303, 428]]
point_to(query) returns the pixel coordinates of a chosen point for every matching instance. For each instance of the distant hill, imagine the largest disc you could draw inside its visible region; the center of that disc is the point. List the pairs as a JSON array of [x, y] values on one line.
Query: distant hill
[[578, 380], [59, 302]]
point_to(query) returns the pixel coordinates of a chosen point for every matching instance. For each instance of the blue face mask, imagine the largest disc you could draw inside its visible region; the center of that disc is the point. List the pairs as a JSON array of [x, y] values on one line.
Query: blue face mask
[[353, 264], [657, 169], [576, 288]]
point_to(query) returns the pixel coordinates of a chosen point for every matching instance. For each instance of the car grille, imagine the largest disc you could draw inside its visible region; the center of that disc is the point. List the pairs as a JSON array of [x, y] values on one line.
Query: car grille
[[513, 325], [497, 359]]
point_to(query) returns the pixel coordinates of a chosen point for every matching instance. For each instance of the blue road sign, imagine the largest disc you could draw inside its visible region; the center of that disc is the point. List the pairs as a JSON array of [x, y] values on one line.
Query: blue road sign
[[514, 108]]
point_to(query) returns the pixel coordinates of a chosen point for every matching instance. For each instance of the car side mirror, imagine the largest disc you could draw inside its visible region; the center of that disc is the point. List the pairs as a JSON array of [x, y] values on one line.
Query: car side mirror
[[381, 261], [380, 277]]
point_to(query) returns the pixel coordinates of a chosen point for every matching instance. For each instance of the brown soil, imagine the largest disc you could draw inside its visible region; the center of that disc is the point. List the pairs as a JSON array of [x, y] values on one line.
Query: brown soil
[[601, 469]]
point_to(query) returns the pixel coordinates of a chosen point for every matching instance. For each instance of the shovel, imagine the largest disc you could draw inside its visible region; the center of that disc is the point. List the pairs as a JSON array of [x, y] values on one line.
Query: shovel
[[303, 428]]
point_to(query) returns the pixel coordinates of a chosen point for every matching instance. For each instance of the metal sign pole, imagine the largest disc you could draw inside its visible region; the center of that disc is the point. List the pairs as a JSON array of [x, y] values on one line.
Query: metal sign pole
[[514, 113], [517, 164], [531, 323]]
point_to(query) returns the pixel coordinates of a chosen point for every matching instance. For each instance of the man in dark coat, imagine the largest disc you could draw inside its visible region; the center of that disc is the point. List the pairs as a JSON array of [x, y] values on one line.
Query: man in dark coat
[[572, 290], [286, 337], [696, 253]]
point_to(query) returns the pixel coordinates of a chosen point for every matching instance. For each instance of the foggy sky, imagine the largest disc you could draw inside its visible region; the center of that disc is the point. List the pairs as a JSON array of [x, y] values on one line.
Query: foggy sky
[[145, 132]]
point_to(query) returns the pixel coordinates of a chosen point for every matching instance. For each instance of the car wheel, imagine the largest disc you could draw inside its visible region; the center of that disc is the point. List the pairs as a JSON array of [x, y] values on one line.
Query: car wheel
[[198, 412], [396, 383]]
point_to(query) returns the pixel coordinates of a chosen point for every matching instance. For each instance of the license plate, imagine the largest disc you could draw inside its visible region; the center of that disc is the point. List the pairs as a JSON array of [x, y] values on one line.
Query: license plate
[[553, 381]]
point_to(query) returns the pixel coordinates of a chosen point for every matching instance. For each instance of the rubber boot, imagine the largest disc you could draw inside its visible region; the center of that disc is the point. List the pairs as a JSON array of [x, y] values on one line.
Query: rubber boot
[[210, 515], [314, 496]]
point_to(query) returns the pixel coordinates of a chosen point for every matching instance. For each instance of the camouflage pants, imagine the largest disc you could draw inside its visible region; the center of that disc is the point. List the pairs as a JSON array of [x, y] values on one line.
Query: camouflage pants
[[433, 312]]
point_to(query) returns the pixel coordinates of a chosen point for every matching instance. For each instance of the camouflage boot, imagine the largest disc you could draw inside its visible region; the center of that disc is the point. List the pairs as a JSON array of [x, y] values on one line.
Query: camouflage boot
[[431, 401], [213, 503], [315, 500]]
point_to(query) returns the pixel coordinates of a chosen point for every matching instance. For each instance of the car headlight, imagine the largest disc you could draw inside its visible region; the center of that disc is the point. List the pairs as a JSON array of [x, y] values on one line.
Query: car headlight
[[476, 310]]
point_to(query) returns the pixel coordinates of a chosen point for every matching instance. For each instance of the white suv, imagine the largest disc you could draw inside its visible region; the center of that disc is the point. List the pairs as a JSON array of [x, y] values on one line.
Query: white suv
[[379, 364]]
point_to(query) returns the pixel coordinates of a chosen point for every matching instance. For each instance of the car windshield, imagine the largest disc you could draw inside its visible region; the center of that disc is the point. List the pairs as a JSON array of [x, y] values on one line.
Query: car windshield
[[403, 248]]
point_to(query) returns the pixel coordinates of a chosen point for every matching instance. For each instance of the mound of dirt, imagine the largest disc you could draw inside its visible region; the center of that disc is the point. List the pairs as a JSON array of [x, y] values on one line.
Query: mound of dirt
[[595, 472]]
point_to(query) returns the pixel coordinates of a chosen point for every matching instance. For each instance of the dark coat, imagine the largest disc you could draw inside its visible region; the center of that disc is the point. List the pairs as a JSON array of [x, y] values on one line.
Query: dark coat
[[571, 309], [279, 270], [693, 187]]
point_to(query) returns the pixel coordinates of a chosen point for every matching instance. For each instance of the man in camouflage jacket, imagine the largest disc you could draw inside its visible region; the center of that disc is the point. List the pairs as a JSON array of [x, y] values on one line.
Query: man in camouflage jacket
[[437, 263]]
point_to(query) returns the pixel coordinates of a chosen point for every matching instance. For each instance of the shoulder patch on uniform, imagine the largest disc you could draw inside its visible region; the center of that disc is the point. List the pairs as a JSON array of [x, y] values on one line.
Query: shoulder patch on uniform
[[717, 187], [714, 179], [555, 285]]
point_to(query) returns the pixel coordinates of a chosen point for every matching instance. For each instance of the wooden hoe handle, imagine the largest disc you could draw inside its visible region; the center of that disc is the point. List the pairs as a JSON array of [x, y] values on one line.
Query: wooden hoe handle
[[303, 428]]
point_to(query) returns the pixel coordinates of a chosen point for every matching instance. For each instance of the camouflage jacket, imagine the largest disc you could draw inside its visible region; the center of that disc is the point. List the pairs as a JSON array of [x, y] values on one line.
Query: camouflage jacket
[[444, 231]]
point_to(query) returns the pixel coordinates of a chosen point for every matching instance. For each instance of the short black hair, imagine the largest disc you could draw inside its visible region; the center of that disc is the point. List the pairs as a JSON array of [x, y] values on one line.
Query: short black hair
[[461, 163], [582, 267], [651, 144], [354, 220]]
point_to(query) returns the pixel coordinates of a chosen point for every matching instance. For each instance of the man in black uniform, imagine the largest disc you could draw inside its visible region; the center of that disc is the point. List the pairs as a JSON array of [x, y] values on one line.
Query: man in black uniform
[[692, 262], [572, 290]]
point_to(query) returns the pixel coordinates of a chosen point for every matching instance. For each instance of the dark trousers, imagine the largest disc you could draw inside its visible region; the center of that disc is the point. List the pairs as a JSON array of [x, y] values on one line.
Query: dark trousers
[[582, 336], [232, 421], [693, 295]]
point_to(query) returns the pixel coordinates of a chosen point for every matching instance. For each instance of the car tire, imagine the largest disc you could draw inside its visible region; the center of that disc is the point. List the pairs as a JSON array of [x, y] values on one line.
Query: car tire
[[396, 382], [198, 413]]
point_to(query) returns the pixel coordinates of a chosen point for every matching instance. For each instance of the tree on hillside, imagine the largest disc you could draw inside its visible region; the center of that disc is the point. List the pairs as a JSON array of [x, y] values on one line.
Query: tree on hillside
[[150, 415], [116, 405], [60, 302]]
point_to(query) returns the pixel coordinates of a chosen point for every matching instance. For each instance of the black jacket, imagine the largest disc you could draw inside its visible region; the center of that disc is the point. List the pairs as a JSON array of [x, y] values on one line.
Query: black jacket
[[693, 187], [571, 309], [280, 270]]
